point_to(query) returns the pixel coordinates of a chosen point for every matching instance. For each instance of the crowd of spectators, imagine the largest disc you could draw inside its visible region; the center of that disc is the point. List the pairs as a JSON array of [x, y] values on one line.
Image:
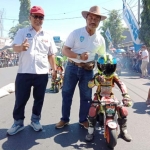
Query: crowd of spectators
[[8, 59], [131, 61]]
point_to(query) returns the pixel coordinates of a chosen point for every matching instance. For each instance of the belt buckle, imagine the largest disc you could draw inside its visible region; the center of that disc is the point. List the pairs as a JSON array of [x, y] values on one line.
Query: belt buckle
[[80, 65]]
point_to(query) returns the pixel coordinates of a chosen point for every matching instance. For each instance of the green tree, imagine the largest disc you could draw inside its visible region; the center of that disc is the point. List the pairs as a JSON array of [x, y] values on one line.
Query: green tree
[[13, 30], [24, 10], [23, 17], [144, 33], [113, 22]]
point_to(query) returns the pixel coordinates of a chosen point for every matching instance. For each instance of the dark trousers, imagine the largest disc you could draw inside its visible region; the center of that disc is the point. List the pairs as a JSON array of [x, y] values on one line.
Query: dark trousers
[[23, 85]]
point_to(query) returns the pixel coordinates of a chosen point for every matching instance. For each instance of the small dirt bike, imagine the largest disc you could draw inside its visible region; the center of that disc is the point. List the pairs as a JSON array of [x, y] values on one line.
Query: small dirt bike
[[58, 84], [108, 107]]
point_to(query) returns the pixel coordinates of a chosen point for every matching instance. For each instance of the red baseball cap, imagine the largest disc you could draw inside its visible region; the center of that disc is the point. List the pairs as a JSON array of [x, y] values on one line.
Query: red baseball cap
[[37, 10]]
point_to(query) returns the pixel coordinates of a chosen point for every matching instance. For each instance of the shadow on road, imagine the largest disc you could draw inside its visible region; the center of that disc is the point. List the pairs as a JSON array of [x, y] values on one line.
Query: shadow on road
[[70, 136], [75, 137], [141, 108]]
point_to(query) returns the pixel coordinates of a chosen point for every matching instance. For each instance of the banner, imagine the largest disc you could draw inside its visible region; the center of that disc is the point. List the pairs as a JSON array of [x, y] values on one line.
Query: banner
[[108, 35], [132, 25]]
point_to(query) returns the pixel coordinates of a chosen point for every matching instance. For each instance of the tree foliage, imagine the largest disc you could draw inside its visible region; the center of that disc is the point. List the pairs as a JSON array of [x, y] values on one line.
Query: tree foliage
[[113, 22], [144, 33], [24, 10], [23, 17], [14, 30]]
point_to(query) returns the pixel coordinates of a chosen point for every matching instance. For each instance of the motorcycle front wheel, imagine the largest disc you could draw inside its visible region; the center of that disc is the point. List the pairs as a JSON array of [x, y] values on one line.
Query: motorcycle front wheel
[[111, 137], [56, 88]]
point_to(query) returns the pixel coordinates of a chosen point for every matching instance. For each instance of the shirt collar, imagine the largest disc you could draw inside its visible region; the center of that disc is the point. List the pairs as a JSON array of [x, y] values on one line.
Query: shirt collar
[[31, 28]]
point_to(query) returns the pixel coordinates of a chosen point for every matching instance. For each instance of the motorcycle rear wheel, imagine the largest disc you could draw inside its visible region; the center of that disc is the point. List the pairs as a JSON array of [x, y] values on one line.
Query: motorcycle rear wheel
[[111, 137], [56, 88]]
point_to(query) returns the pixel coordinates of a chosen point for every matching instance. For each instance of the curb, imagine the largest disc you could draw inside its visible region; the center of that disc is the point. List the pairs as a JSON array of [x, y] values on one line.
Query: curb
[[7, 89]]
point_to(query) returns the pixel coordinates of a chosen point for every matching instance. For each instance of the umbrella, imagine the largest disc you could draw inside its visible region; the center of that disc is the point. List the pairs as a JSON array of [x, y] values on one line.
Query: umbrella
[[120, 50]]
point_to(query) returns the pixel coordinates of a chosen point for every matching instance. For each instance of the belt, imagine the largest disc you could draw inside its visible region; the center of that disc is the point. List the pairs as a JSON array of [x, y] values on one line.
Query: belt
[[77, 64]]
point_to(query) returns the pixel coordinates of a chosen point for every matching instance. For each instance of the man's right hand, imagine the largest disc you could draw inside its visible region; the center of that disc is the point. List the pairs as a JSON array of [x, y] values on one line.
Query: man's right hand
[[84, 56], [25, 45]]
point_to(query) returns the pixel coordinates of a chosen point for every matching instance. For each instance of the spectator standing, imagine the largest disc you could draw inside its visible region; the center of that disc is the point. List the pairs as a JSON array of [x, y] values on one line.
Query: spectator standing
[[35, 47], [145, 61], [80, 48]]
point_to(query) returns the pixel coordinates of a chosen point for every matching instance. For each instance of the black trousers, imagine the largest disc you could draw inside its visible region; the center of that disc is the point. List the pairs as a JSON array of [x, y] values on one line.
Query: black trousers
[[23, 84]]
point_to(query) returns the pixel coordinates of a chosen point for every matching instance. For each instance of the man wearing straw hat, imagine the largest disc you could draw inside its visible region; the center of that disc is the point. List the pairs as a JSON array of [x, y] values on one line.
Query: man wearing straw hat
[[81, 47]]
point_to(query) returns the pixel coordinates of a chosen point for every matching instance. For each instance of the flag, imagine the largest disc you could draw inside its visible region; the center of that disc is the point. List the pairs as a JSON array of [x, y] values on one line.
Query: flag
[[108, 35], [132, 25]]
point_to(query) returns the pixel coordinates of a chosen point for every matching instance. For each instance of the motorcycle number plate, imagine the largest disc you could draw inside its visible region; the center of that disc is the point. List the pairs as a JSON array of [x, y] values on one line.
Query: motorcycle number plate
[[110, 109]]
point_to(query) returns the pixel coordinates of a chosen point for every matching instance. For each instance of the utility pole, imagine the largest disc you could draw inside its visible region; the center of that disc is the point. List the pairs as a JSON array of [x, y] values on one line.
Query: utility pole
[[1, 23], [139, 12]]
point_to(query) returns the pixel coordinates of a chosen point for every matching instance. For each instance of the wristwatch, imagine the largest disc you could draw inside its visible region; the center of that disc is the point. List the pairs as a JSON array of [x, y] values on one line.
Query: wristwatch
[[78, 56]]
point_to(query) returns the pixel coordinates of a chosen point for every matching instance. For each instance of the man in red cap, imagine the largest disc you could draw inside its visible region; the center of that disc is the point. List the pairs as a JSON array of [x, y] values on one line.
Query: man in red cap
[[36, 50]]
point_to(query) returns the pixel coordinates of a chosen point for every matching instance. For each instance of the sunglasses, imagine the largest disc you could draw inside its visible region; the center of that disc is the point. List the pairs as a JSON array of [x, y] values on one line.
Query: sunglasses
[[36, 16]]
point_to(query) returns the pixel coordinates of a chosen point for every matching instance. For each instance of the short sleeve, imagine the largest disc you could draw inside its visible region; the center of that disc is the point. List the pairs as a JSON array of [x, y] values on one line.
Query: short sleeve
[[53, 48], [70, 40], [19, 38], [102, 48]]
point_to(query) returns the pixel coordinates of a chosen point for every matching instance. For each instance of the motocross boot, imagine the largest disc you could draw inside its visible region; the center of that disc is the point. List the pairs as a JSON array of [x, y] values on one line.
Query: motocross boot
[[90, 136], [101, 119], [123, 129], [52, 87], [92, 122]]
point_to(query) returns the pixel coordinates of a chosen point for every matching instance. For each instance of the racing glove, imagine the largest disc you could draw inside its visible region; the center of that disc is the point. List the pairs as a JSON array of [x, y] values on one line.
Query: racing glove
[[98, 79], [126, 100]]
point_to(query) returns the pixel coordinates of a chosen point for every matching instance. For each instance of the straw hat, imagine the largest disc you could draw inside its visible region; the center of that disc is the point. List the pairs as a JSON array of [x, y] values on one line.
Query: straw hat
[[95, 10]]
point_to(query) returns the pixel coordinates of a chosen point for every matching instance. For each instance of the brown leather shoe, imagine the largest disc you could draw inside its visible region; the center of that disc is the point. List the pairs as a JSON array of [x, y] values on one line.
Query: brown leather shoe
[[61, 124], [84, 124]]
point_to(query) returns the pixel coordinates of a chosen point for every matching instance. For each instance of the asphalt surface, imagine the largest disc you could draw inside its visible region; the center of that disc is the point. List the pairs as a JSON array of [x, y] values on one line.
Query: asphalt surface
[[72, 136]]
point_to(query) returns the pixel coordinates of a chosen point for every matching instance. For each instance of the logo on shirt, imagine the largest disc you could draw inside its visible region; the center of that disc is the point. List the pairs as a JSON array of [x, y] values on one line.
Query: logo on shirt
[[44, 40], [81, 38], [29, 35]]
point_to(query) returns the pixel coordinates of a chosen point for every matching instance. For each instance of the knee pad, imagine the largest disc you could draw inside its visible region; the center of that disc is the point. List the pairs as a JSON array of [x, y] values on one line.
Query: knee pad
[[93, 111], [123, 112]]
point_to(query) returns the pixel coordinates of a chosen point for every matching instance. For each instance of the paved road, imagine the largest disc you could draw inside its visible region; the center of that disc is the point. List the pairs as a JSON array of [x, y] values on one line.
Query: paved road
[[72, 136]]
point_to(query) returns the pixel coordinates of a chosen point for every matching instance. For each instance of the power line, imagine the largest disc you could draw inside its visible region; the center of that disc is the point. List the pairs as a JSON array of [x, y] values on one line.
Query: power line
[[61, 18], [76, 10]]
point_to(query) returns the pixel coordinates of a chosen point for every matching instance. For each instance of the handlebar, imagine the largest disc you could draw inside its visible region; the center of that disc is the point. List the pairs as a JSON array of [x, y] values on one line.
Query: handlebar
[[103, 102]]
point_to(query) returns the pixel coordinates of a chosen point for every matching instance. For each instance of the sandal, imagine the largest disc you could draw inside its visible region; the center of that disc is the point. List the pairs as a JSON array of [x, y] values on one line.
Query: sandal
[[148, 102]]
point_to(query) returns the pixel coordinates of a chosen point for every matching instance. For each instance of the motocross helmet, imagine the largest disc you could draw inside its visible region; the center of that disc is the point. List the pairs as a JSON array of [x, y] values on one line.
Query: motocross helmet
[[59, 60], [107, 64]]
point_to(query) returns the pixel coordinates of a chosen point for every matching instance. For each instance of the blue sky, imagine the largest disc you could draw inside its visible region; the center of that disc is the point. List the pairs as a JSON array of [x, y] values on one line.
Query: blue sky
[[61, 16]]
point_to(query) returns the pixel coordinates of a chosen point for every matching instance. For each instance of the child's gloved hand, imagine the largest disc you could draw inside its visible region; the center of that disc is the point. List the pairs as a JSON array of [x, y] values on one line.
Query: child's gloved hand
[[99, 79], [126, 100]]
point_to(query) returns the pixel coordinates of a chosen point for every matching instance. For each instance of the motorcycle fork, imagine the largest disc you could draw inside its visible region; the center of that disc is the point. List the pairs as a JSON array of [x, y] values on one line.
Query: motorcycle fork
[[106, 126]]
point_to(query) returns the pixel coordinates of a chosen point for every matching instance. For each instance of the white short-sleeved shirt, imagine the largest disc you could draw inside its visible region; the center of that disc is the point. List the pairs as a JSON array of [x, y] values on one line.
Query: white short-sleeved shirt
[[35, 59], [145, 53], [80, 41]]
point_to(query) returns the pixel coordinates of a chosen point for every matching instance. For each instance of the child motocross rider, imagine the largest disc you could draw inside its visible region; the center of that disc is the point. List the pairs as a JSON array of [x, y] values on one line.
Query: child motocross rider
[[60, 70], [104, 80]]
